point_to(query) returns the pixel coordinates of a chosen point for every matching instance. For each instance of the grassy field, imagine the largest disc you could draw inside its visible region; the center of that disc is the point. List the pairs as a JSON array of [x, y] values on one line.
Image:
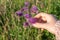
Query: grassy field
[[11, 27]]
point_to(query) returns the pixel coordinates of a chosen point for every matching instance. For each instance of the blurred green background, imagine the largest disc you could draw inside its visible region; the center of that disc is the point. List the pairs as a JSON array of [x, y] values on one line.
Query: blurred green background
[[11, 27]]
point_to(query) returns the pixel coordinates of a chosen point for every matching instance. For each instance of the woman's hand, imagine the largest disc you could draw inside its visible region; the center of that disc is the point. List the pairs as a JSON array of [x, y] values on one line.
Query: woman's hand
[[49, 25]]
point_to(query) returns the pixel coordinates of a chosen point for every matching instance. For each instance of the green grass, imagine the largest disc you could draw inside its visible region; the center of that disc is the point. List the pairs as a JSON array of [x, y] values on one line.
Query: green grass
[[11, 27]]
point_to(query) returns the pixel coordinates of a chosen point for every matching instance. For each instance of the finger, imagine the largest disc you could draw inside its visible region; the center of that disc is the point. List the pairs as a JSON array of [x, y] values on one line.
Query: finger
[[41, 14], [44, 16], [40, 25]]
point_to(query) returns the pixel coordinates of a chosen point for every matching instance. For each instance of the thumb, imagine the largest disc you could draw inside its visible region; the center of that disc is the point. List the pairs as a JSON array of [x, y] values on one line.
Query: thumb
[[46, 26]]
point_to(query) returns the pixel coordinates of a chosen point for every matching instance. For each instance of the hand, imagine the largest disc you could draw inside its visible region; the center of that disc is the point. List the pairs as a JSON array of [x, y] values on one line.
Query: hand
[[49, 25]]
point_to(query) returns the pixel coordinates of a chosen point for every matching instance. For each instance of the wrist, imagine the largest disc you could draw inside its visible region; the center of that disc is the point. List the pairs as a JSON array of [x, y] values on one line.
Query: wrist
[[57, 30], [55, 27], [57, 34]]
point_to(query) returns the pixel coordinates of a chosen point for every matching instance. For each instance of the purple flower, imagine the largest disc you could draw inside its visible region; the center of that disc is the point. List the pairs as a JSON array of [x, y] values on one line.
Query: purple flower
[[34, 9], [26, 4], [32, 20], [24, 9], [25, 24], [19, 13], [27, 16]]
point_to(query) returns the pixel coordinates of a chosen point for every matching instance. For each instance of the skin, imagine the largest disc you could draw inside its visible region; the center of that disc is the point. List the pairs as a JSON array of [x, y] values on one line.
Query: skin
[[50, 25]]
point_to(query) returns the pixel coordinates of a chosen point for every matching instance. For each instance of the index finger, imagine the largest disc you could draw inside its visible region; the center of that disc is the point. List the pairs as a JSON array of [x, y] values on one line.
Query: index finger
[[41, 14]]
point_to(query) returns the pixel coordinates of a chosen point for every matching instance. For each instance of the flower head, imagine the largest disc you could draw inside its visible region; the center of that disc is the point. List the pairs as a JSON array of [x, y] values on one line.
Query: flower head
[[26, 4], [19, 13], [34, 9], [24, 9], [27, 16], [33, 20], [25, 24]]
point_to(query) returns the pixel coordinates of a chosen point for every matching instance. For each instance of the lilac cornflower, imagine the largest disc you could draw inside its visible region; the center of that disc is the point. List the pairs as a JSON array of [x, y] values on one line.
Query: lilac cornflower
[[33, 20], [24, 9], [26, 4], [34, 9], [27, 16], [19, 13], [25, 24]]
